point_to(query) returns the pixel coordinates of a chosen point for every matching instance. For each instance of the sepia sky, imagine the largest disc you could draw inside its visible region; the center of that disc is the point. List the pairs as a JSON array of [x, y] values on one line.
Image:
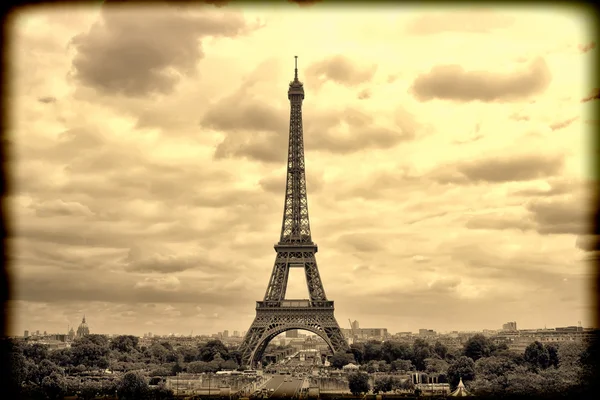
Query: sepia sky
[[445, 152]]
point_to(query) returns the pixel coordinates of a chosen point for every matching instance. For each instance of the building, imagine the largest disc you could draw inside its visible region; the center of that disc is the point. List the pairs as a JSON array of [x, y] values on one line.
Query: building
[[26, 334], [355, 325], [225, 334], [83, 329], [292, 333], [509, 326], [236, 333], [427, 332]]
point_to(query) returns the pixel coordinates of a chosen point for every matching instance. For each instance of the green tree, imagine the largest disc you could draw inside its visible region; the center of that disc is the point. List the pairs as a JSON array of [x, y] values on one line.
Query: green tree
[[402, 366], [62, 357], [133, 385], [340, 359], [421, 351], [440, 349], [552, 354], [198, 367], [478, 346], [464, 368], [18, 371], [436, 366], [89, 389], [36, 352], [45, 368], [383, 366], [210, 350], [357, 350], [177, 368], [92, 351], [358, 383], [384, 384], [54, 385], [372, 351], [537, 355], [125, 343], [161, 393], [392, 350], [491, 375], [524, 382], [188, 353]]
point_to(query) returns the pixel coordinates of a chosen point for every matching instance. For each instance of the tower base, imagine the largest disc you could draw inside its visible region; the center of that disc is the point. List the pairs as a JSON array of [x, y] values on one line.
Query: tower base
[[275, 317]]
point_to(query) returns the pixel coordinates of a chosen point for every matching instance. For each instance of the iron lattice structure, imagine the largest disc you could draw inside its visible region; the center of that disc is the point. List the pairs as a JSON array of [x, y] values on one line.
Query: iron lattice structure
[[275, 314]]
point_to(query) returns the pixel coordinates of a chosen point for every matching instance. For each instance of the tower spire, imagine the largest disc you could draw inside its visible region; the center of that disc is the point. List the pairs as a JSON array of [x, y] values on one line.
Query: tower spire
[[296, 68]]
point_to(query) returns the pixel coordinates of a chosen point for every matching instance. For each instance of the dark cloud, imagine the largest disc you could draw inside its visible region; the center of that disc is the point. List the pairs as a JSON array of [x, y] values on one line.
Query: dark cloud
[[161, 263], [361, 242], [563, 124], [53, 208], [594, 95], [140, 52], [116, 288], [452, 82], [500, 169], [460, 22], [499, 222], [339, 69], [258, 131], [560, 216], [364, 94], [589, 243], [47, 99], [584, 48]]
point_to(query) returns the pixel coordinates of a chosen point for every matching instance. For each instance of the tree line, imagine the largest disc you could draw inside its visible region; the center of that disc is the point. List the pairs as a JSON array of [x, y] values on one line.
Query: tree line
[[37, 372], [486, 369]]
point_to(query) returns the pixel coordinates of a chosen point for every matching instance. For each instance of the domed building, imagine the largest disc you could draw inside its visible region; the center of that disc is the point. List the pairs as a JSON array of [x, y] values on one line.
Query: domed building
[[71, 334], [83, 329]]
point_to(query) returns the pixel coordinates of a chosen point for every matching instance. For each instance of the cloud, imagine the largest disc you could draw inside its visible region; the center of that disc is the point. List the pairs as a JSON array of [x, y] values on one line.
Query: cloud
[[499, 221], [584, 48], [362, 242], [47, 99], [256, 130], [594, 95], [52, 208], [168, 283], [555, 187], [459, 22], [590, 243], [339, 69], [364, 94], [563, 124], [453, 82], [499, 169], [161, 263], [519, 117], [560, 216], [141, 53]]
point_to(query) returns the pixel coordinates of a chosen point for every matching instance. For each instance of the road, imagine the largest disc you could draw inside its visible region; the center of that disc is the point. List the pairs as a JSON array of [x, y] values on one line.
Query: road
[[282, 388]]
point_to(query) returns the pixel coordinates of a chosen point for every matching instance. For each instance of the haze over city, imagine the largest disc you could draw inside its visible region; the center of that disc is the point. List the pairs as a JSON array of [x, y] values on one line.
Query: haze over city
[[447, 182]]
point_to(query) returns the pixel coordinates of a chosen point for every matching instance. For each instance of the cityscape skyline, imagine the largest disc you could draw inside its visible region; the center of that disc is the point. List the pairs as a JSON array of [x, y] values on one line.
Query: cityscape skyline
[[132, 205]]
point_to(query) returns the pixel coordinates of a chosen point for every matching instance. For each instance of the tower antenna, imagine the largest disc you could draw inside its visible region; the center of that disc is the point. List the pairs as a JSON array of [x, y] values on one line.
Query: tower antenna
[[296, 68]]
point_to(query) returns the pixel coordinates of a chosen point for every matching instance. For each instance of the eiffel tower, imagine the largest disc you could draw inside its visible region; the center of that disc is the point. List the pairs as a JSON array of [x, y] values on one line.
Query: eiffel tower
[[275, 314]]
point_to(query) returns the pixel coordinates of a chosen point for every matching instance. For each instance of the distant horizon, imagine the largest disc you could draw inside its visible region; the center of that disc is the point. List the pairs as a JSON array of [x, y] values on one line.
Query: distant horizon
[[307, 332]]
